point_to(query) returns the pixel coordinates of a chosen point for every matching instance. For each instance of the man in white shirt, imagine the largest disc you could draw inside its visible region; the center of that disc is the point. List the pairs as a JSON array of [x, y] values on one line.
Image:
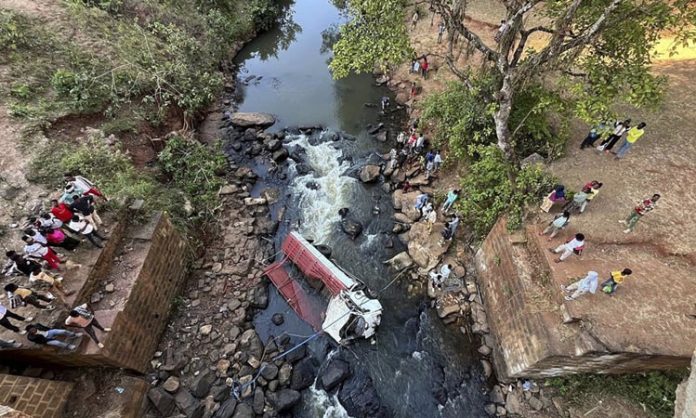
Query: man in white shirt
[[576, 245], [81, 226], [587, 284], [437, 161]]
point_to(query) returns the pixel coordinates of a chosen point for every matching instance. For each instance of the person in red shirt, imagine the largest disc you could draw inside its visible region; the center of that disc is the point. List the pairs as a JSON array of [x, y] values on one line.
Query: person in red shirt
[[61, 211], [424, 67], [639, 211]]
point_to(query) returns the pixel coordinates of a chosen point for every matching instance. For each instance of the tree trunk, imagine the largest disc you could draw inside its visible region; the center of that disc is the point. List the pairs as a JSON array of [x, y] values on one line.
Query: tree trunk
[[502, 117]]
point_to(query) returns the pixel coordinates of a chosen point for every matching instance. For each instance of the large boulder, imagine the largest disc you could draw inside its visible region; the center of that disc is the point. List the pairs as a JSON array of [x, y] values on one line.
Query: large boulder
[[250, 343], [369, 173], [252, 119], [163, 402], [400, 261], [351, 227], [360, 399], [226, 409], [406, 202], [303, 374], [426, 245], [335, 372], [188, 404], [284, 399]]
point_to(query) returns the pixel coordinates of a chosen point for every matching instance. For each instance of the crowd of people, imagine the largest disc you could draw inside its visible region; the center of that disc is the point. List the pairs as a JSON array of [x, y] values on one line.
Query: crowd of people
[[576, 203], [34, 274]]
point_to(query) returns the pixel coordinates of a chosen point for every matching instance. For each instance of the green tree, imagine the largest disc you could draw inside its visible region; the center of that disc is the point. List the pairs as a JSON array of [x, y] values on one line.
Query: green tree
[[594, 51]]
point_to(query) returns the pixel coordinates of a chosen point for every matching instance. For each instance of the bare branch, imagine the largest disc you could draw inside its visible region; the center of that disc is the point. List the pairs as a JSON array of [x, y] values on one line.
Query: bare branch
[[453, 16]]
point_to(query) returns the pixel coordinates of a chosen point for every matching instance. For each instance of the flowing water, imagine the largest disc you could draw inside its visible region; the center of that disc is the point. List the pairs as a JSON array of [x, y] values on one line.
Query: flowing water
[[419, 367]]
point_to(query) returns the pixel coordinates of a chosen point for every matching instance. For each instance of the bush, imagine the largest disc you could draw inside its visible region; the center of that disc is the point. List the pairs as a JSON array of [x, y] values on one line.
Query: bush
[[490, 193], [654, 390]]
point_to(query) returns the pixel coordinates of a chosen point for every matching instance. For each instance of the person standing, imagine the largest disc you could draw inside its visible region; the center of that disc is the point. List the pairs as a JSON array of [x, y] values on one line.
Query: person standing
[[632, 136], [5, 315], [575, 245], [424, 68], [36, 250], [85, 206], [558, 223], [43, 335], [639, 211], [400, 138], [582, 286], [57, 238], [82, 183], [414, 19], [68, 196], [61, 211], [83, 317], [437, 161], [620, 128], [440, 31], [421, 201], [557, 195], [614, 280]]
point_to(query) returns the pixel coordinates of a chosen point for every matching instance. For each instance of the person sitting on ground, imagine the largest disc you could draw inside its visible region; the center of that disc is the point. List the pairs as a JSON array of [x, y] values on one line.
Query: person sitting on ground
[[614, 280], [27, 297], [452, 197], [427, 209], [557, 195], [41, 334], [575, 245], [36, 236], [83, 317], [39, 277], [581, 286], [558, 223], [85, 206], [421, 200], [68, 196], [36, 250], [592, 190], [82, 227], [57, 238], [5, 314], [48, 221], [61, 211], [82, 183], [19, 264]]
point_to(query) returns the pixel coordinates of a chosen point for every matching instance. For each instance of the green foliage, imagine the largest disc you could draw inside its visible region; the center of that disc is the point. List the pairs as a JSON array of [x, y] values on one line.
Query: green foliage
[[194, 168], [653, 390], [374, 36], [489, 191], [462, 117]]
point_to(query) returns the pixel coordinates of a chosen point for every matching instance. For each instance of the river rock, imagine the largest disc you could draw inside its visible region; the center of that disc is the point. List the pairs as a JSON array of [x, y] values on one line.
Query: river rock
[[360, 399], [406, 202], [335, 372], [381, 136], [375, 129], [284, 399], [171, 385], [269, 371], [258, 401], [400, 261], [303, 374], [252, 119], [513, 403], [163, 402], [280, 155], [402, 218], [277, 319], [351, 227], [202, 383], [535, 403], [274, 145], [425, 246], [302, 169], [487, 369], [250, 343], [284, 374], [369, 173], [243, 411], [189, 405], [227, 408], [497, 395]]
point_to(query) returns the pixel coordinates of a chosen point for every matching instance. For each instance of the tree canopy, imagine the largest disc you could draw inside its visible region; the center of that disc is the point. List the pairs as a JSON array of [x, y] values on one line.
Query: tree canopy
[[592, 52]]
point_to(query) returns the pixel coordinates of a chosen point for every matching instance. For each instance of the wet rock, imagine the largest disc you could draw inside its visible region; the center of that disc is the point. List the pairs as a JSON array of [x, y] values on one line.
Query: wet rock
[[497, 395], [374, 130], [260, 298], [227, 408], [484, 350], [274, 145], [255, 150], [303, 374], [243, 411], [220, 393], [298, 154], [284, 374], [278, 319], [302, 169], [360, 399], [258, 401], [335, 372], [252, 119], [284, 399], [189, 405], [343, 212], [400, 261], [490, 409], [381, 136], [171, 385], [312, 185], [163, 402], [487, 369], [202, 383], [369, 173], [269, 371], [351, 227], [250, 343], [280, 155]]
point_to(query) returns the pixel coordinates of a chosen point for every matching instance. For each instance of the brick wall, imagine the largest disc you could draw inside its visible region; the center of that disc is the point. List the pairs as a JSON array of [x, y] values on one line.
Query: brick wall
[[38, 398], [138, 324], [523, 306]]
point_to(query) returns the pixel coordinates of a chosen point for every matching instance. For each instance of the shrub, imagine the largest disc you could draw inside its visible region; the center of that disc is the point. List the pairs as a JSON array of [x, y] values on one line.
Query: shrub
[[654, 390]]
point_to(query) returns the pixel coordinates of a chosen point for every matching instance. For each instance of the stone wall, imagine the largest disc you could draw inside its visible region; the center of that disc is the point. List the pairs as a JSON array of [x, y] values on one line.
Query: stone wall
[[537, 334], [138, 312], [38, 398]]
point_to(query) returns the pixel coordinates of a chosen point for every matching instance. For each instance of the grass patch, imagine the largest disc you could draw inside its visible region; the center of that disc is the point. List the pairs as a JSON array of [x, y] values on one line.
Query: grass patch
[[654, 390]]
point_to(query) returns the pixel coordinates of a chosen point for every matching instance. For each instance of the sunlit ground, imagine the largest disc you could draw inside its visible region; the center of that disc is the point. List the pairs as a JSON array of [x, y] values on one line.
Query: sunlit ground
[[665, 51]]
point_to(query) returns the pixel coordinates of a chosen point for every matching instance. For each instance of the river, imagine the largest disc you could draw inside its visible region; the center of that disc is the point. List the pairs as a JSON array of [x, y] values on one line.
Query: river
[[419, 367]]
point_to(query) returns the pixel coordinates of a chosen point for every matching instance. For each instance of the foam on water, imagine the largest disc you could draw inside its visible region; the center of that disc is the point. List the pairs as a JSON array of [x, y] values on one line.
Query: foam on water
[[323, 405], [320, 207]]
